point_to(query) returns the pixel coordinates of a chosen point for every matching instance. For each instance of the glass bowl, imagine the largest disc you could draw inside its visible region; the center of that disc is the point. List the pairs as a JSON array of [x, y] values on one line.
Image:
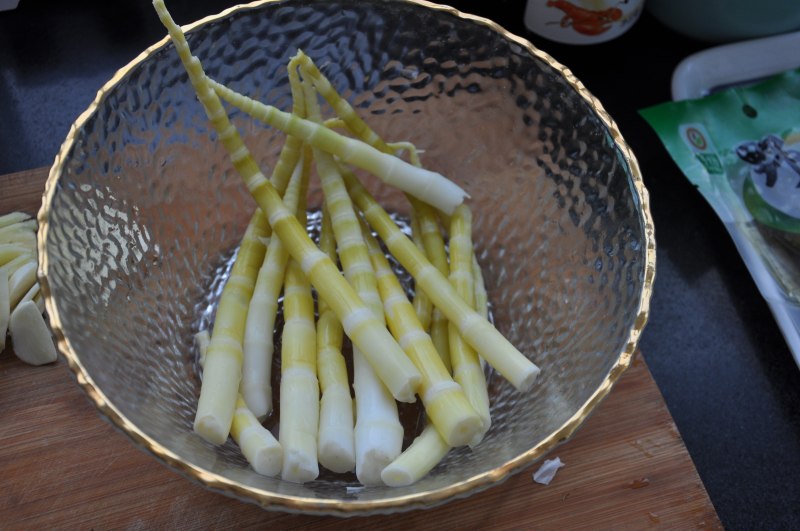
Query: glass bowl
[[143, 212]]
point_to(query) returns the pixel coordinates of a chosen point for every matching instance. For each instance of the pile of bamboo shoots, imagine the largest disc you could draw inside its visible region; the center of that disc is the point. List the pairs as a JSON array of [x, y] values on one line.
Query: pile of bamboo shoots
[[430, 347]]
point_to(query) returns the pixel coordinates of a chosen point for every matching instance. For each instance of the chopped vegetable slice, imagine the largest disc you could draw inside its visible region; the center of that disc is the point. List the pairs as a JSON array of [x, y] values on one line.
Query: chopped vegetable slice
[[10, 251], [22, 233], [12, 218], [5, 307], [20, 281], [33, 343]]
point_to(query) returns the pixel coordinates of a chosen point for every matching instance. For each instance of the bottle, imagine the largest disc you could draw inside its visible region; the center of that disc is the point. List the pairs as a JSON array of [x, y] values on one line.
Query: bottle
[[581, 21]]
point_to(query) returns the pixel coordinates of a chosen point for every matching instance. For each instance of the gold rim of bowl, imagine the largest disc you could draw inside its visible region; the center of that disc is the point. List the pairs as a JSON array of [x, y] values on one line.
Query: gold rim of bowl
[[351, 507]]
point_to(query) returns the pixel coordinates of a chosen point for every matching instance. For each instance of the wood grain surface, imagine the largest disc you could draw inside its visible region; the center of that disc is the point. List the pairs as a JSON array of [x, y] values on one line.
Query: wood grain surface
[[62, 466]]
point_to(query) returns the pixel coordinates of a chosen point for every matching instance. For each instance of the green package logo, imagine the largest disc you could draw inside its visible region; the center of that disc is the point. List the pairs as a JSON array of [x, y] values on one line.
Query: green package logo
[[696, 138]]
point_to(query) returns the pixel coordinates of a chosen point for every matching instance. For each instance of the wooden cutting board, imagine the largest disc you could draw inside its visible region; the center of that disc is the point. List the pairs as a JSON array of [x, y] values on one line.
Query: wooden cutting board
[[62, 466]]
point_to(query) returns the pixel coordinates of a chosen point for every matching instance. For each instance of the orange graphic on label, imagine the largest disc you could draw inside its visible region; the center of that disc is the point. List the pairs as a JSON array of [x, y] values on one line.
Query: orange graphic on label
[[586, 21]]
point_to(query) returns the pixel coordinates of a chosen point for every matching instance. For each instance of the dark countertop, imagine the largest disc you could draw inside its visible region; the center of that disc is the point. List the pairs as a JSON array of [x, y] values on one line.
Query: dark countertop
[[715, 351]]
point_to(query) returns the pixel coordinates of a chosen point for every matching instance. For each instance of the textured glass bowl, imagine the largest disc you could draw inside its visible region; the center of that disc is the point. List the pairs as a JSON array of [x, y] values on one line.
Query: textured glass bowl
[[143, 212]]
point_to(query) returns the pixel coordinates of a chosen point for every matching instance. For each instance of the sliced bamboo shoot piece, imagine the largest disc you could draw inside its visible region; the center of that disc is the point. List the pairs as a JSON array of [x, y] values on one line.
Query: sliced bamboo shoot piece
[[5, 308], [20, 282], [10, 251], [33, 343], [12, 218], [21, 234]]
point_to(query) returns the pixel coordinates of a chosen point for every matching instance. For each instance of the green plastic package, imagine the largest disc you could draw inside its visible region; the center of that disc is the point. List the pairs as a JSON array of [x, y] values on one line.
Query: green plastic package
[[741, 148]]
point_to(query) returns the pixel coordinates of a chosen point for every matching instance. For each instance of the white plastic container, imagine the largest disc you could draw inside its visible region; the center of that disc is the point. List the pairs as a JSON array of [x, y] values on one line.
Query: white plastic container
[[8, 5]]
